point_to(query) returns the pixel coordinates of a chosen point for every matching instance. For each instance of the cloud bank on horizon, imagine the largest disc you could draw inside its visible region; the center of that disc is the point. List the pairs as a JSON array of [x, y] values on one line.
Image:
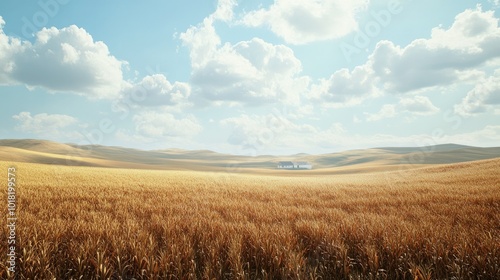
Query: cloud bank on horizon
[[250, 79]]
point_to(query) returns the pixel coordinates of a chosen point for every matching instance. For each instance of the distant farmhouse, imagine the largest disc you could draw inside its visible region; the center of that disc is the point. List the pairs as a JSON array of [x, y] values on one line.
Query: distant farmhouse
[[294, 165]]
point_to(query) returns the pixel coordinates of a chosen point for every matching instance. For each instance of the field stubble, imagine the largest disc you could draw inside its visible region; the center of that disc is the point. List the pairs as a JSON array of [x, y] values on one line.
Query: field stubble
[[95, 223]]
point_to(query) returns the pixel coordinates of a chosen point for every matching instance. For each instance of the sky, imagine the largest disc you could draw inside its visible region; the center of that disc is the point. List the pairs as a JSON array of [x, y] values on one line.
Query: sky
[[251, 77]]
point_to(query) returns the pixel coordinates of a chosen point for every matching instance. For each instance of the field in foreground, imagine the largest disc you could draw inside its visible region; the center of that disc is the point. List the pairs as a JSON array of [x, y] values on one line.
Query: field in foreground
[[95, 223]]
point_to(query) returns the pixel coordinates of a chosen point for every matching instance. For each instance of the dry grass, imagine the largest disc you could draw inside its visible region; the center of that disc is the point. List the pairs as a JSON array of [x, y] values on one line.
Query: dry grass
[[95, 223]]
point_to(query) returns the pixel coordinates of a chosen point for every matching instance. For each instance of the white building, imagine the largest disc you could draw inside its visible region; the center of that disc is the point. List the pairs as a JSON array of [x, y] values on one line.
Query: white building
[[285, 165], [294, 165], [303, 165]]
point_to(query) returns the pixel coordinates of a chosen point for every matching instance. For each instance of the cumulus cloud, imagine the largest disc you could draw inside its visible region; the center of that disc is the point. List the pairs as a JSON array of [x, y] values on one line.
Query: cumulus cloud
[[450, 55], [61, 60], [162, 125], [387, 111], [8, 47], [50, 126], [224, 11], [69, 60], [459, 54], [248, 72], [484, 95], [303, 21], [345, 88], [202, 40], [418, 105], [156, 90]]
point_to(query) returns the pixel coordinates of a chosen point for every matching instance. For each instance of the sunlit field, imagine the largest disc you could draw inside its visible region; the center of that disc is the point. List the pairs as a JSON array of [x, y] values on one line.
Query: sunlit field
[[441, 222]]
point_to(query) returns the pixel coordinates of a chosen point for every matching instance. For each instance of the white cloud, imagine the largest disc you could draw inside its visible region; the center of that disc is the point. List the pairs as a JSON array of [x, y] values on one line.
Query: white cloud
[[483, 96], [472, 30], [61, 60], [387, 111], [450, 55], [162, 125], [202, 40], [495, 3], [303, 21], [461, 54], [345, 88], [304, 111], [8, 47], [418, 105], [71, 55], [50, 126], [69, 60], [156, 90], [224, 10], [249, 72]]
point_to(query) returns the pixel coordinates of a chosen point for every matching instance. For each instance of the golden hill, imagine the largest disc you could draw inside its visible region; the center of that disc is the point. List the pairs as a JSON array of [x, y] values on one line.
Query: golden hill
[[355, 161]]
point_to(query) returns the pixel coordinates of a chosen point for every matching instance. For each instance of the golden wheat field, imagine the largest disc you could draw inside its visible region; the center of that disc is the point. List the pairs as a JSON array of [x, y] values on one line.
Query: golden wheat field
[[439, 222]]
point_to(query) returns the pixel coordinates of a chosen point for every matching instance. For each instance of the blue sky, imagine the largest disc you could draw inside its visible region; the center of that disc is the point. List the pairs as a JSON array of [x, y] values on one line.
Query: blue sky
[[251, 77]]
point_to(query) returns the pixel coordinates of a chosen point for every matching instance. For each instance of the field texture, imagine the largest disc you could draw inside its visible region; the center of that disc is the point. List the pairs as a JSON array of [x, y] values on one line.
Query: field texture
[[440, 222]]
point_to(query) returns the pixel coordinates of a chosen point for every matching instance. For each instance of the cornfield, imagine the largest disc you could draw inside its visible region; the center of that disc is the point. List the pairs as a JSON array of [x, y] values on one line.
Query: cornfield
[[97, 223]]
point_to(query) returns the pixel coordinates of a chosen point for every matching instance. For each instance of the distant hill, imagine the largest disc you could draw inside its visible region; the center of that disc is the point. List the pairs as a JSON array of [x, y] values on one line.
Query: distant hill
[[377, 159], [434, 148]]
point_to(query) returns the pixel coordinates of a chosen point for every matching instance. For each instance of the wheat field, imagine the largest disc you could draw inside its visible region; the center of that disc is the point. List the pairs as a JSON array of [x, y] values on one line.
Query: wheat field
[[439, 222]]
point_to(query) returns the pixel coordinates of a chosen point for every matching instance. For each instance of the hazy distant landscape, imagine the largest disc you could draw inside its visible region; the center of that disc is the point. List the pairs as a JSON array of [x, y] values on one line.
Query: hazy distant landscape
[[47, 152]]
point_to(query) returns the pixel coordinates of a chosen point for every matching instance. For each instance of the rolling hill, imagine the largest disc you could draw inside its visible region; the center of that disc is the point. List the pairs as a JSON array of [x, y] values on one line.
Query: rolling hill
[[376, 159]]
